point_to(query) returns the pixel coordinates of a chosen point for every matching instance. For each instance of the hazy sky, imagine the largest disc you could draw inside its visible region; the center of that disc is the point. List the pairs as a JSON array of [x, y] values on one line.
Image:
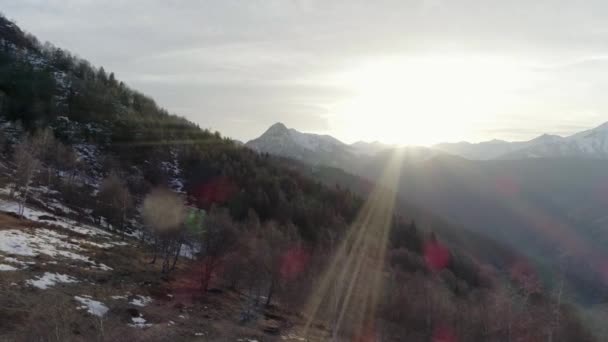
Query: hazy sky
[[415, 72]]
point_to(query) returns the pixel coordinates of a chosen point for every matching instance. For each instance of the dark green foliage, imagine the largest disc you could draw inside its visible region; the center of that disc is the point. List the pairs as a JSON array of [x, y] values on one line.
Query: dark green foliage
[[138, 139], [27, 94], [405, 235]]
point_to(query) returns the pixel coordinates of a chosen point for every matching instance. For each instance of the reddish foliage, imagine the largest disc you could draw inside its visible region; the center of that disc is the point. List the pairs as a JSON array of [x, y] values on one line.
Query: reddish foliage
[[368, 334], [293, 263], [443, 334], [436, 255], [217, 190]]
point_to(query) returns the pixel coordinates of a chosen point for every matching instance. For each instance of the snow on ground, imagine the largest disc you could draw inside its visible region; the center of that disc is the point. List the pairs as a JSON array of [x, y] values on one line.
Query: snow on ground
[[35, 214], [292, 337], [4, 267], [103, 245], [93, 307], [35, 241], [119, 297], [140, 301], [139, 322], [14, 261], [43, 241], [174, 171], [50, 279]]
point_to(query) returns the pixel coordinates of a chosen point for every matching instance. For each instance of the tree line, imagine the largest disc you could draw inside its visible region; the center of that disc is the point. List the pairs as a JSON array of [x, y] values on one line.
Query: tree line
[[243, 220]]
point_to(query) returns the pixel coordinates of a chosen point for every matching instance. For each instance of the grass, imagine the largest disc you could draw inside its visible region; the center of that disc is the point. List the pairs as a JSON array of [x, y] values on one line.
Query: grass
[[179, 311]]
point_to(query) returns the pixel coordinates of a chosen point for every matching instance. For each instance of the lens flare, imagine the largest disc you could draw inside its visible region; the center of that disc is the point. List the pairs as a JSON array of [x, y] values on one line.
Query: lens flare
[[346, 297]]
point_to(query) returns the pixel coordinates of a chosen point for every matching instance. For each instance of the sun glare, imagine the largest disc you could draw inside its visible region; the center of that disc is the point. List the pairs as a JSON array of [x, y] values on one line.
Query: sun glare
[[422, 101]]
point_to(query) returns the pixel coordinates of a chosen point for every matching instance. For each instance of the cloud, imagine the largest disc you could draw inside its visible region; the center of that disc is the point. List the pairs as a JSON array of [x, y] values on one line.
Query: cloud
[[226, 63]]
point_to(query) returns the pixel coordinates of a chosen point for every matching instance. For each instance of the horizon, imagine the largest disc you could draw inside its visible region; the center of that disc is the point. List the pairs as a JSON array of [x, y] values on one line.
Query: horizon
[[398, 78], [412, 170], [422, 145]]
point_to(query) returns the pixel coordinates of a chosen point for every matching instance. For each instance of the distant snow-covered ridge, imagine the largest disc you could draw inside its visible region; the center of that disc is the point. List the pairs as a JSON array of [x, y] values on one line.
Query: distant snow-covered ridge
[[325, 149], [592, 143]]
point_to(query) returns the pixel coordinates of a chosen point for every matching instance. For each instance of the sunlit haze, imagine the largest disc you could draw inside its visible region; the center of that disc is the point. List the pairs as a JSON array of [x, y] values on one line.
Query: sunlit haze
[[428, 99], [303, 170], [405, 72]]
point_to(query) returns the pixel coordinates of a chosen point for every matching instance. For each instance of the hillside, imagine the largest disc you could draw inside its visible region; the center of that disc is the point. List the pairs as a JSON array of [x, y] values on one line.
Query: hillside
[[121, 221], [548, 209], [475, 245], [548, 205]]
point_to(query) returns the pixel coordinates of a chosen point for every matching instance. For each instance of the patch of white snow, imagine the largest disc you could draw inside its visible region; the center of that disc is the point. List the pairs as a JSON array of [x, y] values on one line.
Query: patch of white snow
[[7, 268], [49, 279], [93, 307]]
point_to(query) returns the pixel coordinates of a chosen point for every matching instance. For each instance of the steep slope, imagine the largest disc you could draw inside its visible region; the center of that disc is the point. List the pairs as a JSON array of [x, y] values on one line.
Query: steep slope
[[264, 236], [460, 238], [544, 208], [538, 200]]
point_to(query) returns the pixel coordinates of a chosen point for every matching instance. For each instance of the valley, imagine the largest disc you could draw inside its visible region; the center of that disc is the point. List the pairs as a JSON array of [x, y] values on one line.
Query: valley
[[120, 221]]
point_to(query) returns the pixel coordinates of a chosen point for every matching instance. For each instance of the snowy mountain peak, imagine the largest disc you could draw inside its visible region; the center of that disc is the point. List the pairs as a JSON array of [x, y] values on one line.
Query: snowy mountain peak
[[288, 142], [277, 129], [592, 143], [545, 138]]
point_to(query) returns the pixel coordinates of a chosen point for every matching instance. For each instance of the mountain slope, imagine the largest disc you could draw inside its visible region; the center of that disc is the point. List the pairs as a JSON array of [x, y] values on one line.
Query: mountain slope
[[263, 237], [591, 143], [312, 148], [543, 208], [326, 150], [543, 197], [367, 148]]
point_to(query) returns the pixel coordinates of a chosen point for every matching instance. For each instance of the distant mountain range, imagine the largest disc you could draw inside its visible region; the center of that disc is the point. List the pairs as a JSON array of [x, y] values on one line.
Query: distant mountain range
[[592, 143], [545, 198], [325, 149], [312, 148]]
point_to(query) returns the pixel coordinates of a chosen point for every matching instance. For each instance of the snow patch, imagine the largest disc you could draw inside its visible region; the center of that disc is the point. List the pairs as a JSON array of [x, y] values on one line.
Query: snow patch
[[50, 279], [43, 241], [140, 301], [7, 268], [35, 214], [93, 307], [119, 297], [14, 261], [139, 322]]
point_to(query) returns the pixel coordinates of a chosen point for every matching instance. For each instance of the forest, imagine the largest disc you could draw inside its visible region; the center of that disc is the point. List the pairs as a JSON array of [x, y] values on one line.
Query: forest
[[239, 220]]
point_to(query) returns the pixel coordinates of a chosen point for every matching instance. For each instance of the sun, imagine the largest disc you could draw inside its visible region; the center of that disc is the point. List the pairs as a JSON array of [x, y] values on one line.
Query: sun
[[425, 100]]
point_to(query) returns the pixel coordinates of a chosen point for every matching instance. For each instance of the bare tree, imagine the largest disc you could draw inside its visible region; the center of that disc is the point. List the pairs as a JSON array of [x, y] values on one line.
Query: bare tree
[[115, 201], [164, 213], [219, 236], [45, 148], [26, 166]]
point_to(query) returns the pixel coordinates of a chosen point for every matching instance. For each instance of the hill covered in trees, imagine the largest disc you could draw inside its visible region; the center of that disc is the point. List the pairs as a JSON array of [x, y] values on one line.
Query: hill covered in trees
[[205, 209]]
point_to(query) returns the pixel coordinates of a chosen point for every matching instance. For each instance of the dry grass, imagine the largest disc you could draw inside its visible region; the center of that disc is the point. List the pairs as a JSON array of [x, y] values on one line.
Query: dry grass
[[178, 312], [11, 221]]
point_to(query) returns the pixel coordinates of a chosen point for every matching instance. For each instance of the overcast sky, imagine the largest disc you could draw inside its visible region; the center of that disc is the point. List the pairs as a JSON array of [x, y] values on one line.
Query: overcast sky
[[327, 66]]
